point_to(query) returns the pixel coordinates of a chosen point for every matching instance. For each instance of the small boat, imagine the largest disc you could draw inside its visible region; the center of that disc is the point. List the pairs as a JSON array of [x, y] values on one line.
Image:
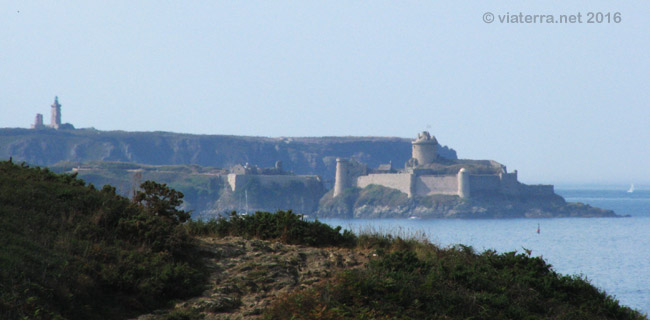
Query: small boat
[[414, 218], [631, 189]]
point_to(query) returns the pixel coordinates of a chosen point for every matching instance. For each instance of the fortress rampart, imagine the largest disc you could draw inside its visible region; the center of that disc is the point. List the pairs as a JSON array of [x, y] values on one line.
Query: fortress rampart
[[273, 189], [423, 176], [237, 181], [428, 185], [484, 184], [400, 181]]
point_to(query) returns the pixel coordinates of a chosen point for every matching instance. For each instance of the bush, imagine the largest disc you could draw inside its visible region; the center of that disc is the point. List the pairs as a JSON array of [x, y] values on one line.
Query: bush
[[454, 283], [283, 226], [68, 250]]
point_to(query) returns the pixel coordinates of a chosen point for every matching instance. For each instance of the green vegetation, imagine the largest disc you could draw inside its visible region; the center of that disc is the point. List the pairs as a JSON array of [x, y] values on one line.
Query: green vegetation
[[68, 250], [206, 189], [200, 185], [284, 226], [413, 279], [341, 206], [410, 278], [301, 196], [376, 195], [375, 201]]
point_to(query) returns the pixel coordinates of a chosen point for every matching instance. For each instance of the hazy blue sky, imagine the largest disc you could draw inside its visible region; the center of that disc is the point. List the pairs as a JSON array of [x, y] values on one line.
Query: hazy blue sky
[[563, 103]]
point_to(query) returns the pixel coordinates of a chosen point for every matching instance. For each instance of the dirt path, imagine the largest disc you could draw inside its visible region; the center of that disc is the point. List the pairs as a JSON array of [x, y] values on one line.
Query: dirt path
[[247, 275]]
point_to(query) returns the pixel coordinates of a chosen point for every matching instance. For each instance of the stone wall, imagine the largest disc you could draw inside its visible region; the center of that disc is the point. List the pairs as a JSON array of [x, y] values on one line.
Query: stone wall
[[425, 185], [484, 184], [399, 181], [257, 192], [239, 180], [509, 184], [429, 185]]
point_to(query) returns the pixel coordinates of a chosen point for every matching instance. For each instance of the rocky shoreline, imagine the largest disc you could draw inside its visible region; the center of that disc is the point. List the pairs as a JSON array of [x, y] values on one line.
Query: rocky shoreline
[[388, 203]]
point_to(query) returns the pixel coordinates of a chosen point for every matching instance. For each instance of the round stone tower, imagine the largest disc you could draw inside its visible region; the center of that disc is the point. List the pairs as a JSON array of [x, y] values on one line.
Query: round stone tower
[[463, 183], [424, 149], [341, 181]]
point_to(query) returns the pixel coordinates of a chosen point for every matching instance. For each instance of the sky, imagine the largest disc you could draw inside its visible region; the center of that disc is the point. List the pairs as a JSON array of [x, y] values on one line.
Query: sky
[[561, 103]]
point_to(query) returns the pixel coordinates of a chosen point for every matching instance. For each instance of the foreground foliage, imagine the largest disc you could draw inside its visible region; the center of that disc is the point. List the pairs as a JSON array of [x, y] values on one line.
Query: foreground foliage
[[412, 279], [284, 226], [68, 250]]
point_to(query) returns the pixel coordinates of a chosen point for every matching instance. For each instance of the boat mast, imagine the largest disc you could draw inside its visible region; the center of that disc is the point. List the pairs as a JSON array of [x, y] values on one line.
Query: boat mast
[[246, 195]]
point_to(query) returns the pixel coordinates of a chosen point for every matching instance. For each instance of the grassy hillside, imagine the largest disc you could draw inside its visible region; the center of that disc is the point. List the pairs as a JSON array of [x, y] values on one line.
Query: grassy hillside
[[413, 279], [403, 278], [68, 250]]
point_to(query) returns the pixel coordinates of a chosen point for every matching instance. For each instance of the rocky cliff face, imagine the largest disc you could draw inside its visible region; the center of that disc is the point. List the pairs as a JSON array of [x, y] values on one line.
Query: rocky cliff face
[[380, 202], [300, 155]]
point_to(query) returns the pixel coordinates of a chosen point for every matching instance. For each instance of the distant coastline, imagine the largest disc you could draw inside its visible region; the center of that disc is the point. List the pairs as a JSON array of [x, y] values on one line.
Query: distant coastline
[[103, 151]]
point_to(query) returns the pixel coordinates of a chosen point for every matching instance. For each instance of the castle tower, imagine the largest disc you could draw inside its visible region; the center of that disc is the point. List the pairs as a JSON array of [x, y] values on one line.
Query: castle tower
[[341, 181], [56, 114], [463, 183], [38, 121], [424, 149]]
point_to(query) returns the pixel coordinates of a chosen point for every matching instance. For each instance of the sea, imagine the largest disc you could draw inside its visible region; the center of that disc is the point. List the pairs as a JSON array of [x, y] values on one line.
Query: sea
[[611, 253]]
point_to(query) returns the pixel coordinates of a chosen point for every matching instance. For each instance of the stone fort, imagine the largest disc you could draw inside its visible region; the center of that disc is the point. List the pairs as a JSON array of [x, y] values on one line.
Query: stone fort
[[428, 174], [241, 175]]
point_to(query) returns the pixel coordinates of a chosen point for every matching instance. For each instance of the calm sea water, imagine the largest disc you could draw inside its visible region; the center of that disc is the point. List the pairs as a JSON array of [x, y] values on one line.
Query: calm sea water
[[612, 253]]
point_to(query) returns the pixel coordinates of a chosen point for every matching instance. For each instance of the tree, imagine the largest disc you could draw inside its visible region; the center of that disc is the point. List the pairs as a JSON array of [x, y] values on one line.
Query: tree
[[161, 200]]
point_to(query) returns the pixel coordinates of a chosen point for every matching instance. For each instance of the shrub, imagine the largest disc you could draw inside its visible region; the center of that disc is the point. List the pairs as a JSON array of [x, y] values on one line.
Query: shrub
[[454, 283], [283, 226], [68, 250]]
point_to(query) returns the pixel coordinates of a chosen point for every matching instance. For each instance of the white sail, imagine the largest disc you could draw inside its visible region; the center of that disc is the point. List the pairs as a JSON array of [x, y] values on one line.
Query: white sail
[[631, 189]]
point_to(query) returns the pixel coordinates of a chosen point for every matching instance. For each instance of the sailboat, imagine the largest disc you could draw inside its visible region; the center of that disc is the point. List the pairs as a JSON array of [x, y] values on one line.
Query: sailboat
[[631, 189]]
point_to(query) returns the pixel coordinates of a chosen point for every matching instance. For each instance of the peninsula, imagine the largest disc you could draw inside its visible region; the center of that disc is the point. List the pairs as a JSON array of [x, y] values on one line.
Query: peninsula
[[345, 177]]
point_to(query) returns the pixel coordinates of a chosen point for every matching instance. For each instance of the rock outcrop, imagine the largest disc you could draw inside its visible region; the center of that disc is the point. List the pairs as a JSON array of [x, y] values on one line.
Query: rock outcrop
[[248, 275], [380, 202]]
